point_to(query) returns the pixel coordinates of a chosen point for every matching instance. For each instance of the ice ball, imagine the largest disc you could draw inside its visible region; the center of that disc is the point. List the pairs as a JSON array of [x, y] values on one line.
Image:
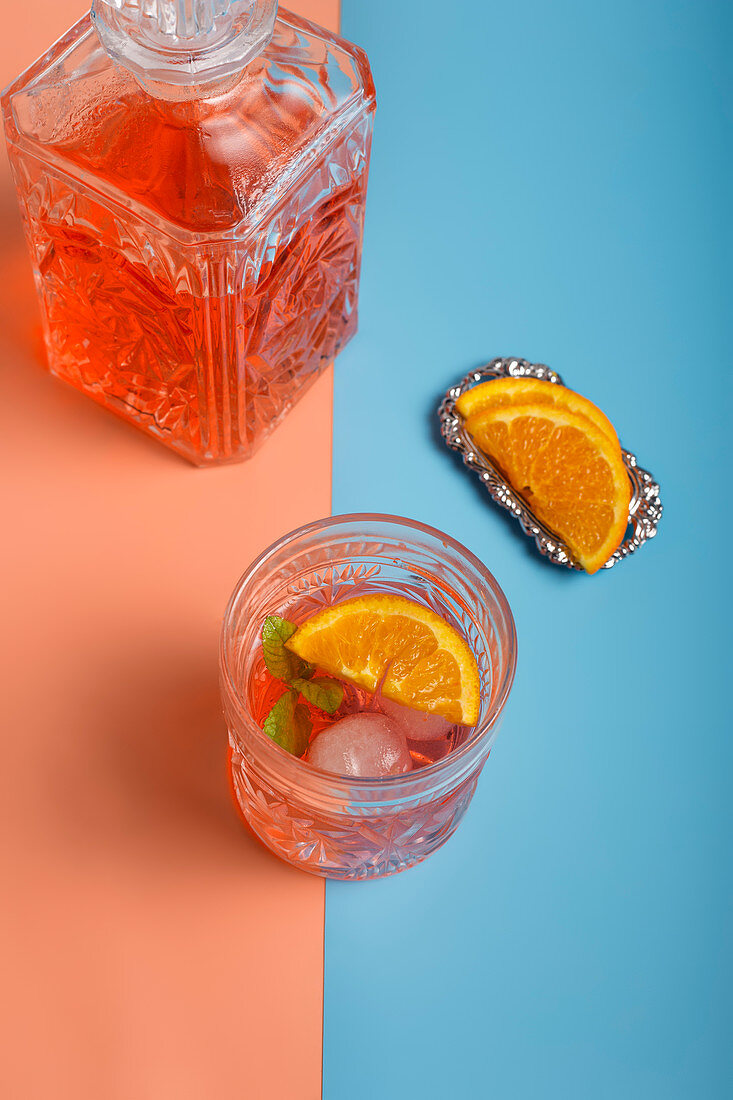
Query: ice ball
[[417, 725], [366, 745]]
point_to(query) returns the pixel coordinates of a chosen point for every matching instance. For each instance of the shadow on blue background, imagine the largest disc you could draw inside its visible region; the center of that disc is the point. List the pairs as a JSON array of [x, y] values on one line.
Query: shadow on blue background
[[552, 181]]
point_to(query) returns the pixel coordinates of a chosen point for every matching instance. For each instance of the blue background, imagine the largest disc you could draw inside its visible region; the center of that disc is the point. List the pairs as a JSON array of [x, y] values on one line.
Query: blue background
[[552, 180]]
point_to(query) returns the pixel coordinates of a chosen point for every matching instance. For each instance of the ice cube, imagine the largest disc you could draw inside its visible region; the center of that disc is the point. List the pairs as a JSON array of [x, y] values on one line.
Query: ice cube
[[417, 725], [366, 745]]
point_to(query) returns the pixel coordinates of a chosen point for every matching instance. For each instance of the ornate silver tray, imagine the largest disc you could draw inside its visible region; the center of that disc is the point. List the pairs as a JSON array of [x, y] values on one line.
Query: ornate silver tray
[[645, 508]]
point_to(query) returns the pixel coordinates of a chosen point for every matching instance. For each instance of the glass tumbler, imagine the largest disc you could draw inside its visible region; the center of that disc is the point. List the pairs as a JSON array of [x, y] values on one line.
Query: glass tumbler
[[341, 826]]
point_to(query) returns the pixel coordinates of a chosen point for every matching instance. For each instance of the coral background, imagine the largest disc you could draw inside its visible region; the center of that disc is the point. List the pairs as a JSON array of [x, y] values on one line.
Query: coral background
[[151, 948]]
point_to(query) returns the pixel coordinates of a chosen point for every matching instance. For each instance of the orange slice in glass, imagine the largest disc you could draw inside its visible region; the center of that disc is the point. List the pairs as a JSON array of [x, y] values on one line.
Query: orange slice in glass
[[425, 662], [530, 391], [569, 472]]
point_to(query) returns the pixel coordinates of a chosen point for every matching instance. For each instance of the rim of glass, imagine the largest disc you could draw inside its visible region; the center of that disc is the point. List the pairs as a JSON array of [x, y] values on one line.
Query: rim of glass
[[453, 758]]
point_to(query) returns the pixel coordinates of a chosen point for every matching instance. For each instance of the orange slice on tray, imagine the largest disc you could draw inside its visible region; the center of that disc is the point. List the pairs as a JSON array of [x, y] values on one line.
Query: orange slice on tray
[[570, 473], [425, 662], [530, 391]]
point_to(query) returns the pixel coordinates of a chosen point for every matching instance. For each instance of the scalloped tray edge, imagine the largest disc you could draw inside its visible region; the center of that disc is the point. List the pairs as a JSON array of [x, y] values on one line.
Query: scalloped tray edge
[[645, 507]]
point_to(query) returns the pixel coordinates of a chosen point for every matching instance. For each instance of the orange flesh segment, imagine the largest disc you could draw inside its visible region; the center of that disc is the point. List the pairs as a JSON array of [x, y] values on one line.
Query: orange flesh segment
[[427, 663], [530, 391], [569, 472]]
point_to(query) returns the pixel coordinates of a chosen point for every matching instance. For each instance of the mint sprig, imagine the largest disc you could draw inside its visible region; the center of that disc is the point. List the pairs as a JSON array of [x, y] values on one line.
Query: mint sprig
[[289, 723], [322, 692], [283, 664]]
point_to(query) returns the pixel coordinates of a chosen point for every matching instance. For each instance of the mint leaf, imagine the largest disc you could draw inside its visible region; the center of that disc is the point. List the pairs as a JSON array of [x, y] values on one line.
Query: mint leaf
[[303, 729], [280, 661], [289, 724], [324, 693]]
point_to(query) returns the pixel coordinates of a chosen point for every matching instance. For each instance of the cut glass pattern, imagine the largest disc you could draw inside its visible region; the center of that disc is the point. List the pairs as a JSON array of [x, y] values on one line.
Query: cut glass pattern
[[197, 262]]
